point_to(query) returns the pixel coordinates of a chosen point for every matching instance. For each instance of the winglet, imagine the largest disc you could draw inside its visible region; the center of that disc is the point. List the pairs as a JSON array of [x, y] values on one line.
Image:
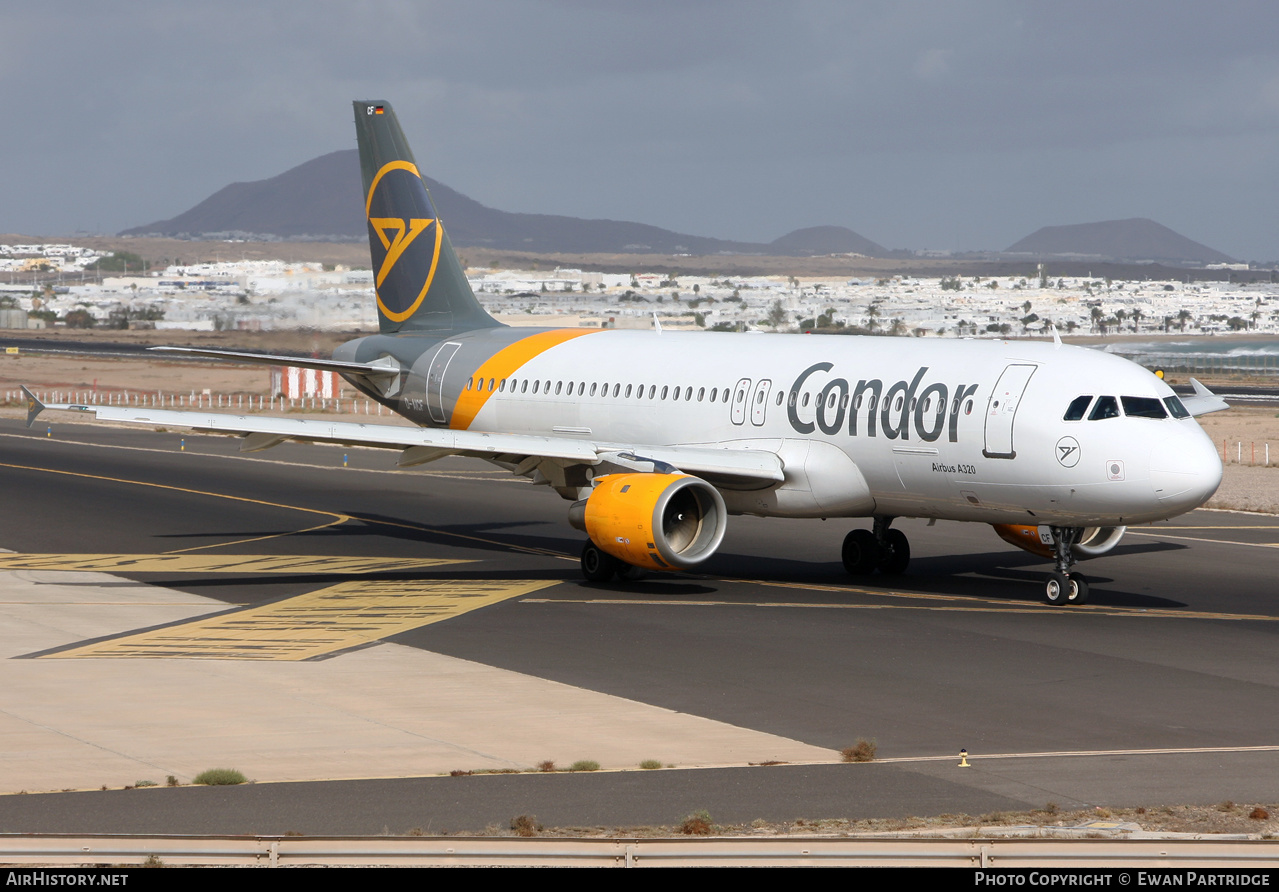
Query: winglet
[[34, 406], [1056, 337], [1204, 400], [657, 323]]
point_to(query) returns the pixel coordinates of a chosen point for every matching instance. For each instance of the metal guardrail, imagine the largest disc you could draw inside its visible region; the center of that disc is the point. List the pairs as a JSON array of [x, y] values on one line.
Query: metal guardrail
[[79, 851]]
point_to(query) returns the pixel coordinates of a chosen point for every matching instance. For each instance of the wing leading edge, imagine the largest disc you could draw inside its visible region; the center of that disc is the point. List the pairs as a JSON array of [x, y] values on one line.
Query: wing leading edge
[[420, 445]]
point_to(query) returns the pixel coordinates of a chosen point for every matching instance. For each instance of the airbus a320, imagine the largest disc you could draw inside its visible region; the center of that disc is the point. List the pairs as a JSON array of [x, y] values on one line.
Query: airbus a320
[[657, 437]]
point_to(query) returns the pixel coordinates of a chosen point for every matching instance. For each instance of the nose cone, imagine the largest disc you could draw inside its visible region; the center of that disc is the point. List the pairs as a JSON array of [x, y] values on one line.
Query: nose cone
[[1184, 469]]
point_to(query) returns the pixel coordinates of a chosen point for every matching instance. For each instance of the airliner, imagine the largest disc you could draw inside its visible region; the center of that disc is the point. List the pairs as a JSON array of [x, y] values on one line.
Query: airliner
[[658, 437]]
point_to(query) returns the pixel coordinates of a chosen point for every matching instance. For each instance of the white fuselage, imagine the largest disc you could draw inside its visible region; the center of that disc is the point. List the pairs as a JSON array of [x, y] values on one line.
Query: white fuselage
[[966, 430]]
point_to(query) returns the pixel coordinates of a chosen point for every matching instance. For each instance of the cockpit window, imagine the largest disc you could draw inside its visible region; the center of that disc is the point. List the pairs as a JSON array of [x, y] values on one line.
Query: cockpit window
[[1107, 407], [1143, 407], [1077, 408], [1176, 408]]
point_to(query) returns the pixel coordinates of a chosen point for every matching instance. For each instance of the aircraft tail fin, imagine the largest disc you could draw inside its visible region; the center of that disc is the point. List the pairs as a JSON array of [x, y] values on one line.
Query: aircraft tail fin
[[420, 284]]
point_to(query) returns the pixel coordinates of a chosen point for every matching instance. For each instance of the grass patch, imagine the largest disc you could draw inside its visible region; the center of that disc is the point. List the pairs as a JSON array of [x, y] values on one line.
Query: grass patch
[[584, 765], [862, 751], [650, 764], [547, 766], [218, 777], [145, 783]]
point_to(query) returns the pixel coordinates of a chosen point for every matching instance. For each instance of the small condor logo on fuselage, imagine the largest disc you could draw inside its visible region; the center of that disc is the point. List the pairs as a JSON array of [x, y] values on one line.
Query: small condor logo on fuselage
[[1068, 452], [405, 226]]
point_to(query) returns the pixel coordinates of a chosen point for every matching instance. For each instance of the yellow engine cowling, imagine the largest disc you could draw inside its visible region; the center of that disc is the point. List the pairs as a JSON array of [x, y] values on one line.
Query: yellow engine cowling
[[656, 521], [1092, 541]]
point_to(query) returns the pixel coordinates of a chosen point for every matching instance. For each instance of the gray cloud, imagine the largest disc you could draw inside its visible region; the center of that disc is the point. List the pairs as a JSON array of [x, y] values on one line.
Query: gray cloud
[[919, 124]]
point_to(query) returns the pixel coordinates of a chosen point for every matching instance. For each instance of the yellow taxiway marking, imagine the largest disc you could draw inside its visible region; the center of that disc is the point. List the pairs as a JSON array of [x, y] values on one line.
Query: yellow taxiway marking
[[973, 606], [337, 516], [1224, 526], [211, 563], [1207, 539], [313, 625]]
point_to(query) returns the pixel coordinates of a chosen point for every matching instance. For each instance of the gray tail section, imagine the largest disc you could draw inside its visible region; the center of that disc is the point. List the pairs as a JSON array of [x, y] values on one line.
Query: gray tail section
[[420, 283]]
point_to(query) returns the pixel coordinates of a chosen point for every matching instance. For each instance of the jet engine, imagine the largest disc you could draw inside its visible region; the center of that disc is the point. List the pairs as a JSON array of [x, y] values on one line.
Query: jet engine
[[1093, 541], [656, 521]]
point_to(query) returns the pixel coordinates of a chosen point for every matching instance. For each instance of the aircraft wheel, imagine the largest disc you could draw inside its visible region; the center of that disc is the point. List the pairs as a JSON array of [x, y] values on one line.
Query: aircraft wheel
[[1078, 590], [860, 552], [598, 565], [1059, 589], [896, 556], [630, 573]]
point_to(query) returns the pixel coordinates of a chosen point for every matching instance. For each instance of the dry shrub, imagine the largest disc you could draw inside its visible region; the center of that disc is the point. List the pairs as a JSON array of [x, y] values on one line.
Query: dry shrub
[[697, 824], [862, 751], [525, 825]]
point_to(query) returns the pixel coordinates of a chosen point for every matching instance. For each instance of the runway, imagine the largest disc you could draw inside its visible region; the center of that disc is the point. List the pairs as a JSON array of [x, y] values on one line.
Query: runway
[[289, 570]]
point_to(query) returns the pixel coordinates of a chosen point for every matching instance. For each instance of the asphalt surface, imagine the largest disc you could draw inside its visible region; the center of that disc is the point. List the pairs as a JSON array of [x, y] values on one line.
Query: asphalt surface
[[1175, 652]]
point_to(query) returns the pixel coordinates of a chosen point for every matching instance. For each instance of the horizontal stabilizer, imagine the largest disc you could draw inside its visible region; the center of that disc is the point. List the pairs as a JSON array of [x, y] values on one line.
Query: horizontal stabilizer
[[386, 366]]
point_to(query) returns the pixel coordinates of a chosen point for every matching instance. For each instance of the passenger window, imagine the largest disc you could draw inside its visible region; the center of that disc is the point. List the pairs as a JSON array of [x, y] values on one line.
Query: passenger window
[[628, 390], [1143, 407], [1107, 407], [666, 390], [617, 388], [781, 395], [558, 385], [652, 389], [1176, 407], [688, 394], [469, 381], [593, 386], [1077, 409]]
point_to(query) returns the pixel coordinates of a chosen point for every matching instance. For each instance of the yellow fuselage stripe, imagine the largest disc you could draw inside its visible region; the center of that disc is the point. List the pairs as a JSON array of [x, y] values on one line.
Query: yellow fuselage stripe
[[504, 363]]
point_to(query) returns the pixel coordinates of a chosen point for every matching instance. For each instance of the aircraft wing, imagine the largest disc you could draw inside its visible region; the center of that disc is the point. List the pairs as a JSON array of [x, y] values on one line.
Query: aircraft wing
[[1203, 401], [419, 445]]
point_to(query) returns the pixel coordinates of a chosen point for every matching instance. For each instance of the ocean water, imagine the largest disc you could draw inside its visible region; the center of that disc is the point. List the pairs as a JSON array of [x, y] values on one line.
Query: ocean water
[[1258, 354]]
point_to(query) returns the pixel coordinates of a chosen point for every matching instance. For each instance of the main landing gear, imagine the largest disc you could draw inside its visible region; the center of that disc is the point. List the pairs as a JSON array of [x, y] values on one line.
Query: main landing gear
[[881, 548], [600, 566], [1065, 587]]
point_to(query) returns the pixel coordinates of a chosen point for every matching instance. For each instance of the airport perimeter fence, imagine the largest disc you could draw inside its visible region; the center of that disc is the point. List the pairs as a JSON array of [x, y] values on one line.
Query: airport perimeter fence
[[241, 403], [1256, 365]]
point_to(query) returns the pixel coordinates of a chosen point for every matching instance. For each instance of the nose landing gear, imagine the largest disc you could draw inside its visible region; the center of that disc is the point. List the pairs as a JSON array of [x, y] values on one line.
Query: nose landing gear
[[1064, 587]]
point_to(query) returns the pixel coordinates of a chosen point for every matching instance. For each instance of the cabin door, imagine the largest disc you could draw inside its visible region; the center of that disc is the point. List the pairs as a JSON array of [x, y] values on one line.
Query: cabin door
[[1001, 410]]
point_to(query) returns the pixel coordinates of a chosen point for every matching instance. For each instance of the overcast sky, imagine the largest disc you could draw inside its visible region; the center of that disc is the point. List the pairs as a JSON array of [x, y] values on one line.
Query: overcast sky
[[932, 124]]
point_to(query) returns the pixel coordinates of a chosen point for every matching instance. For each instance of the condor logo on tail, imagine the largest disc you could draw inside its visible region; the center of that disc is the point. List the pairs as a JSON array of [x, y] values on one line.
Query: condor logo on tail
[[401, 220]]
